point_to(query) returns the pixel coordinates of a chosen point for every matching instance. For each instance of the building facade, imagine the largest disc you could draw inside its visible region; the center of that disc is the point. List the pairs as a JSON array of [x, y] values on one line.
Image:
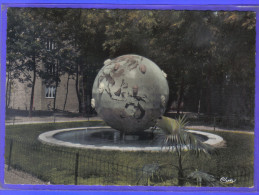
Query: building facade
[[19, 93], [44, 96]]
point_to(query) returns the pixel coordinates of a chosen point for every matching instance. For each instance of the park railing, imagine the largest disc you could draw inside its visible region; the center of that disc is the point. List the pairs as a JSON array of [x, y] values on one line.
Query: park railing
[[225, 122], [63, 166], [232, 122], [58, 166]]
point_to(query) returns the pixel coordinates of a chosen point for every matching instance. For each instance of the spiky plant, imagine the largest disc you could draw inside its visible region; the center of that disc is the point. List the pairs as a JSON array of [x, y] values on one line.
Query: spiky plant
[[177, 139], [202, 177]]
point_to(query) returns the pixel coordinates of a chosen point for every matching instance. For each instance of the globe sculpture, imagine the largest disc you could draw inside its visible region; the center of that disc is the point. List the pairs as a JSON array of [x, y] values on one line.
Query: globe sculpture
[[130, 93]]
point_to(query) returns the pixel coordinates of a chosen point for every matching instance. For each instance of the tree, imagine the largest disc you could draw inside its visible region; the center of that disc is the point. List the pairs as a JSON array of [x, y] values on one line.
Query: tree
[[69, 58], [240, 75], [178, 140], [13, 53], [128, 31], [86, 34], [197, 50], [29, 42], [60, 54]]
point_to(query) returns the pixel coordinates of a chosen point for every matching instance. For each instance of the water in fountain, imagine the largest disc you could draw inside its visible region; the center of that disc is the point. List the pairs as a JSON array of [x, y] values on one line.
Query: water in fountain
[[112, 137]]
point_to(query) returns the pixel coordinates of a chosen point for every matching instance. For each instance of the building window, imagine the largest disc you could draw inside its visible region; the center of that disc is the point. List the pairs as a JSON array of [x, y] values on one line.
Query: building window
[[51, 69], [50, 91], [51, 66], [50, 45]]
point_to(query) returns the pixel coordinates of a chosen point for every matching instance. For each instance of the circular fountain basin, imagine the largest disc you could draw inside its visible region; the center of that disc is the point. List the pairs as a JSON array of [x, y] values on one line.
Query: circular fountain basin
[[106, 138]]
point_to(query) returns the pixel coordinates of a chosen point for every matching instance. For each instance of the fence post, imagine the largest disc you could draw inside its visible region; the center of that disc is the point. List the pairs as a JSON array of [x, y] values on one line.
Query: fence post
[[10, 155], [76, 167], [13, 119]]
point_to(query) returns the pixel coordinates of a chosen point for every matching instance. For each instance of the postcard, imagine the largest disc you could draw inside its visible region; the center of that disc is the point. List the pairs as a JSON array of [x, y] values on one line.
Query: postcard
[[153, 98]]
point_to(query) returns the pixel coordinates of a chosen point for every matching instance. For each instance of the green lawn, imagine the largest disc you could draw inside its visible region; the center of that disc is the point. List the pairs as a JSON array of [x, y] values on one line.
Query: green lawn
[[58, 165]]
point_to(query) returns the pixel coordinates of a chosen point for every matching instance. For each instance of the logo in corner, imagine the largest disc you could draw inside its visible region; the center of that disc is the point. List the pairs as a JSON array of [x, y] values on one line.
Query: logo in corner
[[226, 180]]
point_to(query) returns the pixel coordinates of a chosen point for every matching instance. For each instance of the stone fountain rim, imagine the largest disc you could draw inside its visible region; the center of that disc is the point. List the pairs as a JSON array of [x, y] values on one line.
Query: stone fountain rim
[[48, 138]]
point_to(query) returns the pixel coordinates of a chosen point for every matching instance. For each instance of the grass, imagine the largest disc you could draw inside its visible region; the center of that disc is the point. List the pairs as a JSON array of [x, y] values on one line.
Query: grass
[[97, 167]]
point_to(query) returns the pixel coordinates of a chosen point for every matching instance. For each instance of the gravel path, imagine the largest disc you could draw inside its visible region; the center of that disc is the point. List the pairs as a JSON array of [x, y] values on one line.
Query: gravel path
[[209, 128], [19, 177], [50, 119]]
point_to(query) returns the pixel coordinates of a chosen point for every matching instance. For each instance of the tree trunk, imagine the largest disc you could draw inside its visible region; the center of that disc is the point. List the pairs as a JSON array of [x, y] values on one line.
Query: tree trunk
[[89, 86], [180, 168], [208, 99], [180, 177], [199, 102], [54, 104], [66, 93], [56, 85], [221, 97], [33, 86], [83, 86], [77, 90], [7, 94], [208, 93], [180, 99], [77, 29]]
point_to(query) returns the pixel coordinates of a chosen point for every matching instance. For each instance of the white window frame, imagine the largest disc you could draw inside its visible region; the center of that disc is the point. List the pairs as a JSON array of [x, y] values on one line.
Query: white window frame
[[50, 91], [50, 45]]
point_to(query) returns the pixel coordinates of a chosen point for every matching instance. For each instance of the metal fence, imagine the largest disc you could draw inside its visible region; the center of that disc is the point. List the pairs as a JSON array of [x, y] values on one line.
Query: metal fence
[[227, 122], [232, 122], [58, 166]]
